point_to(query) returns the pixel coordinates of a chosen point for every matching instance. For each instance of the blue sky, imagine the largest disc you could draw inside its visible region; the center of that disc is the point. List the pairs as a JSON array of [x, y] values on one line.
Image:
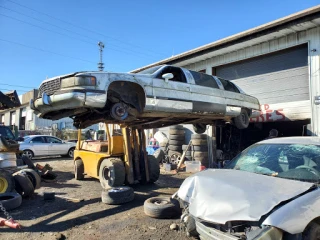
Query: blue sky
[[40, 39]]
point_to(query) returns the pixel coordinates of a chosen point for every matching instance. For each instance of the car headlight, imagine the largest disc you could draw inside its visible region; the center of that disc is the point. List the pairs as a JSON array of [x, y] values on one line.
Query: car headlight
[[78, 81]]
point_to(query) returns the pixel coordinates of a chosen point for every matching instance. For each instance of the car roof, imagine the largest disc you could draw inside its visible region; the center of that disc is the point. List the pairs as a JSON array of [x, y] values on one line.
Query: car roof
[[292, 140], [39, 136]]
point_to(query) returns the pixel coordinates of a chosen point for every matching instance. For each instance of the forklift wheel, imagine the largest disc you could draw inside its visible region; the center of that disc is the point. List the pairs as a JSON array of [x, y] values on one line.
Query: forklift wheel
[[112, 173], [78, 169], [117, 195], [6, 182]]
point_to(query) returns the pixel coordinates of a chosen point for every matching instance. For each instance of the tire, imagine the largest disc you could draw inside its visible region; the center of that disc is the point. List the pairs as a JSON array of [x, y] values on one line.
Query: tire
[[312, 232], [119, 111], [199, 142], [199, 128], [28, 153], [71, 152], [200, 154], [154, 169], [27, 161], [175, 148], [184, 147], [177, 137], [118, 195], [78, 169], [176, 142], [242, 121], [191, 227], [111, 173], [163, 144], [7, 183], [199, 136], [200, 148], [33, 176], [159, 155], [23, 184], [176, 132], [177, 127], [161, 207], [10, 200], [174, 157]]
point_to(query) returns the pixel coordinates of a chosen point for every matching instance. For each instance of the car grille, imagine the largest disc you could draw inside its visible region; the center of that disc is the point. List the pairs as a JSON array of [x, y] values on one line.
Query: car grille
[[49, 87]]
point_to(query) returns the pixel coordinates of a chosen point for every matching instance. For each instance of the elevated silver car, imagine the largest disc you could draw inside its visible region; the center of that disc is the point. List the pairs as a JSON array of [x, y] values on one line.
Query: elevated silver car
[[269, 191], [156, 97], [43, 145]]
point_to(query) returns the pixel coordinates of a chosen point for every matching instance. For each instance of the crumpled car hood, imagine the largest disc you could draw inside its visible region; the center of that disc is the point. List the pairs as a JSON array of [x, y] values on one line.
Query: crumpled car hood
[[221, 195]]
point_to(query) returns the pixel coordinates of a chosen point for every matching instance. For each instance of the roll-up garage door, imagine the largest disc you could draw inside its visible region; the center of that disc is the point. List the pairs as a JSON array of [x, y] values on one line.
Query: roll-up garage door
[[279, 79]]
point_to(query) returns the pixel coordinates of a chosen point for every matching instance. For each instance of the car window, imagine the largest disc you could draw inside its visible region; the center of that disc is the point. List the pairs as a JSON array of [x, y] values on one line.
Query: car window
[[38, 140], [229, 86], [292, 161], [6, 133], [178, 74], [53, 140], [204, 79]]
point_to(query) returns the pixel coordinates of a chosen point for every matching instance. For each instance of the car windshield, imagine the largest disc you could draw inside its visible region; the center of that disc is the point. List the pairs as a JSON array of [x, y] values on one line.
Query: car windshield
[[6, 133], [291, 161], [151, 70]]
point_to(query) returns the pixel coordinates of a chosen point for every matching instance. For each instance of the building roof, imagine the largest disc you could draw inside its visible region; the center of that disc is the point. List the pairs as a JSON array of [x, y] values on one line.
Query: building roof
[[285, 22]]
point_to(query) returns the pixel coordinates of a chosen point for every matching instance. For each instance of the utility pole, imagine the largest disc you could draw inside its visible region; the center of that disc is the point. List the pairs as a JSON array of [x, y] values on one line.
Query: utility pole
[[101, 64]]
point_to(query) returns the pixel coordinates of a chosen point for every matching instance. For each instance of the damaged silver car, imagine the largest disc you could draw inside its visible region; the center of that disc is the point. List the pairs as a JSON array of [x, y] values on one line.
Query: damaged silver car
[[269, 191], [153, 98]]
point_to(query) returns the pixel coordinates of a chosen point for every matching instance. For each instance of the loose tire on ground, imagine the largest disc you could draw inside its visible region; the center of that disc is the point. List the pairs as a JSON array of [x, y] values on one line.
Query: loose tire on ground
[[10, 200], [242, 121], [78, 169], [176, 132], [111, 173], [7, 183], [117, 195], [33, 176], [199, 136], [154, 169], [23, 184], [162, 207], [27, 161]]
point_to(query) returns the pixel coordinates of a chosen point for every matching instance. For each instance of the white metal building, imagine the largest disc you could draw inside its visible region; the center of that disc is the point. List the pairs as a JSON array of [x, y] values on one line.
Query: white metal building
[[277, 62]]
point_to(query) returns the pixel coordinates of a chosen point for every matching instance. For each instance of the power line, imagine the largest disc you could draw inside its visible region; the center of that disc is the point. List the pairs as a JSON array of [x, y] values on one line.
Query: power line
[[83, 28], [17, 85], [39, 49]]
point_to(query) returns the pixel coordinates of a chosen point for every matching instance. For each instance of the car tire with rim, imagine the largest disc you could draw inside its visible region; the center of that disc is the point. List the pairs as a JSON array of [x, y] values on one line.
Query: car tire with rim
[[111, 173], [71, 152], [161, 207], [33, 176], [10, 200], [78, 169], [117, 195], [7, 183], [242, 121], [23, 184], [28, 153]]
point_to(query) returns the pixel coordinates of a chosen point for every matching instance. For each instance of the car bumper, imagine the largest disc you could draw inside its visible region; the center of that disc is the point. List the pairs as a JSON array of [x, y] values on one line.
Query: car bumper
[[72, 99]]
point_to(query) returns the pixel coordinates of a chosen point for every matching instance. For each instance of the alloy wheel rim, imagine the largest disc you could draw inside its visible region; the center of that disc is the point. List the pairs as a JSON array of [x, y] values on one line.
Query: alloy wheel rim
[[3, 185]]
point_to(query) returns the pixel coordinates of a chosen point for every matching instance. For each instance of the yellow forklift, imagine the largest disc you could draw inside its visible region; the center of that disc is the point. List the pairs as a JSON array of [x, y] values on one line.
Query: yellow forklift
[[119, 160]]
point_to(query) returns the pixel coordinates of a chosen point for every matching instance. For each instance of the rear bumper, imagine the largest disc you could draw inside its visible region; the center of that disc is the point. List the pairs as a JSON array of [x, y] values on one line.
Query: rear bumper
[[71, 99]]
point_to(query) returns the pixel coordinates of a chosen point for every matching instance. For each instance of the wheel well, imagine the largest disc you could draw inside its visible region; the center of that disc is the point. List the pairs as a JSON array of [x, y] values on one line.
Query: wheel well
[[128, 92]]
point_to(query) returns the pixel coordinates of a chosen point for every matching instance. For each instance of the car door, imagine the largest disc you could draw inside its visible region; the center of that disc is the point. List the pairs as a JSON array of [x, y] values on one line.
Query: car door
[[56, 146], [172, 95], [39, 146]]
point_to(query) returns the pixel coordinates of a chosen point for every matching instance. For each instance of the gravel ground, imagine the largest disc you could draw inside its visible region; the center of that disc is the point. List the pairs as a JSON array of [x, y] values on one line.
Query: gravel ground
[[90, 218]]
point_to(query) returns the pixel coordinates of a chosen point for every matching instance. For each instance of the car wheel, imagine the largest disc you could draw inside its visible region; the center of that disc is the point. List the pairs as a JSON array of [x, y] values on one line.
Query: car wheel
[[10, 200], [312, 232], [119, 111], [111, 173], [199, 128], [117, 195], [33, 176], [6, 182], [78, 169], [28, 153], [71, 152], [161, 207], [242, 121]]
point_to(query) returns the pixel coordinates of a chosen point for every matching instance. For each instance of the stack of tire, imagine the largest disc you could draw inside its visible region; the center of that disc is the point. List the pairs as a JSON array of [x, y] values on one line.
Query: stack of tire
[[199, 149], [176, 140]]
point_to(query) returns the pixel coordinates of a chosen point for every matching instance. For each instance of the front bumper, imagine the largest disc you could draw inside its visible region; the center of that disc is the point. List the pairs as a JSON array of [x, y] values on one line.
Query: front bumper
[[71, 99]]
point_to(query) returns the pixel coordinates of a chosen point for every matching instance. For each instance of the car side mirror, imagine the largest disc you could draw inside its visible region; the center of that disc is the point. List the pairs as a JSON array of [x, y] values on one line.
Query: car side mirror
[[167, 76]]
